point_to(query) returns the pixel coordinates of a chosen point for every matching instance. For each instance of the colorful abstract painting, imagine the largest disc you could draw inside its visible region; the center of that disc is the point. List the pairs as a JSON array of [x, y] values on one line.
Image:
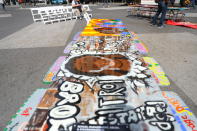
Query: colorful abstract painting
[[54, 69], [105, 83]]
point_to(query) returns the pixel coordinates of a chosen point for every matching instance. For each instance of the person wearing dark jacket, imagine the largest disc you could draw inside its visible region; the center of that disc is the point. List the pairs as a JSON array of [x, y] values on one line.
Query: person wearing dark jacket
[[162, 9], [172, 2]]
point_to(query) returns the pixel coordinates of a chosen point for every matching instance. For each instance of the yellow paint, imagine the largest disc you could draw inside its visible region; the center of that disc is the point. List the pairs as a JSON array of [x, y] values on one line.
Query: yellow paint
[[176, 104], [163, 80], [93, 24], [157, 70], [49, 76], [149, 60], [185, 110]]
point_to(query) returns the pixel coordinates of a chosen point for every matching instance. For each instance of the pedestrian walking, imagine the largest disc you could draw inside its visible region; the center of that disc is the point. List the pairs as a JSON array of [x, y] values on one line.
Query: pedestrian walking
[[2, 3], [162, 9]]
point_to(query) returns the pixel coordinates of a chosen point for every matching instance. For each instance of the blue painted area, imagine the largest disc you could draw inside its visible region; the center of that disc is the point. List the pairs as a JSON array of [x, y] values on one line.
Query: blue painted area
[[187, 108], [54, 77], [117, 23], [125, 33], [119, 27], [118, 19], [110, 23], [183, 128], [180, 123]]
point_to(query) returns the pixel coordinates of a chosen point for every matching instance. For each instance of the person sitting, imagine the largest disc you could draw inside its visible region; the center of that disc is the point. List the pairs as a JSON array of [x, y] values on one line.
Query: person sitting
[[76, 5]]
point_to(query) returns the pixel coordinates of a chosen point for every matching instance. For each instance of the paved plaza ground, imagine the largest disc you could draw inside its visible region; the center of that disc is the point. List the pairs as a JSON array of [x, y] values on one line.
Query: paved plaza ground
[[28, 49]]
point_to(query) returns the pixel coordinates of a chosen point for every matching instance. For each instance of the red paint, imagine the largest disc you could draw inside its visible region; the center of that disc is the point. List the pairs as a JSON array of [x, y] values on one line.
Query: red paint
[[190, 123], [26, 111], [186, 24], [155, 77]]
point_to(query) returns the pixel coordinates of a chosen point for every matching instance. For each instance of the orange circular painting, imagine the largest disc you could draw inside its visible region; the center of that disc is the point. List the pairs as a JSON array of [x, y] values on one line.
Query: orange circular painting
[[99, 65]]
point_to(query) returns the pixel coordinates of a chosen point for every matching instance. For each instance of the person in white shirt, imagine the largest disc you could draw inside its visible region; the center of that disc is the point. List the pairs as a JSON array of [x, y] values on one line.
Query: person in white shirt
[[2, 3], [76, 5]]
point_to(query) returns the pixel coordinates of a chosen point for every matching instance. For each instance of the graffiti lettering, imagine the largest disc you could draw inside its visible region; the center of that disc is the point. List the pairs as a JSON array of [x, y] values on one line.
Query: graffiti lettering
[[103, 102], [64, 124], [63, 112], [108, 86], [111, 89], [190, 123], [71, 87], [132, 117], [63, 115], [176, 104], [122, 117], [152, 110], [68, 98], [107, 111], [164, 126], [117, 92]]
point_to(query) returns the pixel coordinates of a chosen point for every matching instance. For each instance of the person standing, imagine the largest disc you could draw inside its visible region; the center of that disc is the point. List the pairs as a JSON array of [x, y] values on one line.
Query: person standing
[[162, 9], [34, 2], [172, 2], [76, 5], [193, 3], [2, 2]]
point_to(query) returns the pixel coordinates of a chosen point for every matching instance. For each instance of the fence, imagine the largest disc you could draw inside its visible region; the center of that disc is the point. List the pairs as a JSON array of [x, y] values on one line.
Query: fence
[[53, 14]]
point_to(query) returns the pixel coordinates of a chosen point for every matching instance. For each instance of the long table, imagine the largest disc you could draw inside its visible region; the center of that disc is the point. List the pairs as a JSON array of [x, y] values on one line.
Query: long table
[[173, 13]]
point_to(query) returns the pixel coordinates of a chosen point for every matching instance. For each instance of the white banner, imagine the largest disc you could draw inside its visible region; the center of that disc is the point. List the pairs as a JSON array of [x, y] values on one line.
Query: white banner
[[148, 2]]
